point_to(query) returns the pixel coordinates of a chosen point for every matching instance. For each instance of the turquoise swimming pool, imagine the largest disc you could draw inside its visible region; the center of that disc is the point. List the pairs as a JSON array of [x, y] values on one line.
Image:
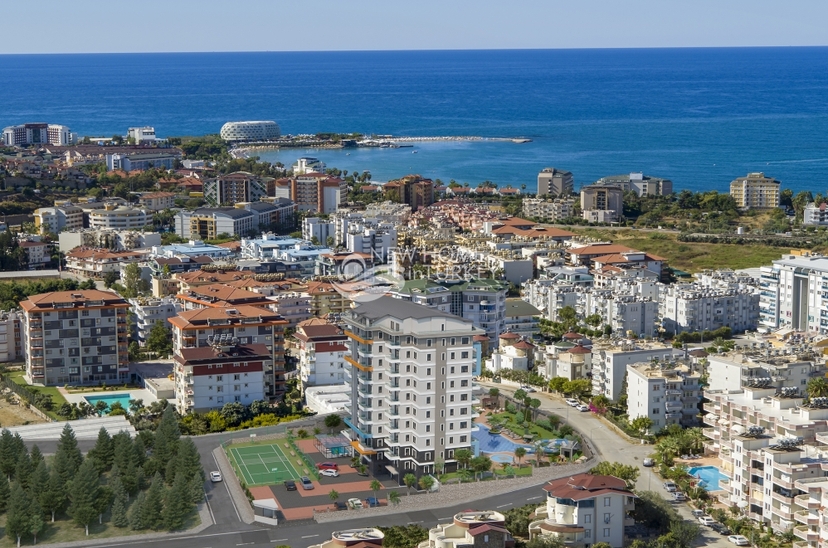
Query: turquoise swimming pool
[[709, 477], [122, 398], [495, 443]]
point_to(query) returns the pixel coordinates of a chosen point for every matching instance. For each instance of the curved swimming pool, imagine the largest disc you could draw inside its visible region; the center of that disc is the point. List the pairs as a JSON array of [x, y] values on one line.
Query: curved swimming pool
[[709, 477]]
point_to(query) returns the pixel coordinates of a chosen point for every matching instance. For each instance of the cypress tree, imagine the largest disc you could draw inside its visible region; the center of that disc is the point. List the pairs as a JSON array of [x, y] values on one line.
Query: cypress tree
[[19, 513], [167, 435], [189, 461], [196, 489], [39, 480], [84, 491], [36, 456], [36, 523], [53, 497], [122, 450], [5, 493], [154, 504], [170, 471], [23, 470], [8, 453], [136, 512], [68, 457], [104, 451], [177, 504], [119, 502]]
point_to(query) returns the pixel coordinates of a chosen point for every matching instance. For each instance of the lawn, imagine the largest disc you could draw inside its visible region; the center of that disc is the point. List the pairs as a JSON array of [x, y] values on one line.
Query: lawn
[[64, 530], [690, 256], [524, 471], [57, 397], [540, 433]]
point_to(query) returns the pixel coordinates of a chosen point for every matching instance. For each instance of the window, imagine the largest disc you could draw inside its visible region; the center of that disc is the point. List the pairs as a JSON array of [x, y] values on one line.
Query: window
[[607, 517], [588, 518], [606, 532], [656, 387], [428, 414], [219, 378], [236, 377], [428, 371], [463, 439], [451, 355], [464, 355], [588, 533], [607, 501]]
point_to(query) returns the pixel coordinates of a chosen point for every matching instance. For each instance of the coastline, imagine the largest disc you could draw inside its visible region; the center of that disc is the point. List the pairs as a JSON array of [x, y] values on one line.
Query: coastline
[[383, 141]]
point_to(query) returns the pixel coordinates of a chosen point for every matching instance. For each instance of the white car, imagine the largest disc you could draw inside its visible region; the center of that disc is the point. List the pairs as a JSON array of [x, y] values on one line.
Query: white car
[[327, 472], [572, 402], [582, 408], [215, 477], [528, 389], [670, 487], [739, 540], [355, 504], [679, 496], [707, 520], [648, 462]]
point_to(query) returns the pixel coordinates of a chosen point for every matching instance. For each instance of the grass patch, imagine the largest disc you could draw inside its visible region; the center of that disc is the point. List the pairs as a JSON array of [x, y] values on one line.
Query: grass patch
[[689, 256], [527, 427], [64, 530], [57, 397], [522, 472]]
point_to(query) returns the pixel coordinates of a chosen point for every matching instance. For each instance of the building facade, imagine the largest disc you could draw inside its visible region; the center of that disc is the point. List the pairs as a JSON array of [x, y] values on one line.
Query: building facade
[[118, 217], [75, 337], [230, 189], [689, 307], [471, 529], [554, 182], [549, 211], [265, 130], [665, 392], [755, 191], [322, 347], [207, 223], [602, 203], [146, 312], [411, 385], [38, 134]]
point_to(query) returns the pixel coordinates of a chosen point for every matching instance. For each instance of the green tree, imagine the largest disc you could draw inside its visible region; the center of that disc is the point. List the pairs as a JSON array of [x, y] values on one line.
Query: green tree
[[463, 456], [134, 284], [332, 422], [136, 512], [36, 455], [110, 278], [153, 504], [178, 503], [403, 536], [18, 516], [557, 384], [410, 480], [84, 492], [520, 452], [641, 425], [5, 493], [579, 388], [481, 464], [549, 541], [119, 502], [68, 457], [165, 447], [393, 498], [23, 470], [53, 497], [625, 472], [684, 532], [333, 494], [426, 483], [104, 451], [817, 387], [10, 449], [652, 511], [375, 487], [159, 339]]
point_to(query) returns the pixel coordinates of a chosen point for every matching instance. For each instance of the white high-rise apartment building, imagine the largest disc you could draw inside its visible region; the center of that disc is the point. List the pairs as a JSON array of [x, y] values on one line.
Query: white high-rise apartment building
[[322, 346], [609, 363], [690, 307], [793, 293], [665, 392], [411, 385], [755, 191]]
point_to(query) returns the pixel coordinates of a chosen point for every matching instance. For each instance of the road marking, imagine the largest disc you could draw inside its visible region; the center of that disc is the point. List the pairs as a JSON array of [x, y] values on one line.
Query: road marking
[[280, 540], [534, 498], [228, 490], [505, 505], [245, 543], [306, 536], [413, 522], [441, 519]]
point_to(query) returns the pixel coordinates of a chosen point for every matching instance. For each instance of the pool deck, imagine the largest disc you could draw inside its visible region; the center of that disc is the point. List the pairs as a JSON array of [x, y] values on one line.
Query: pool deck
[[134, 394]]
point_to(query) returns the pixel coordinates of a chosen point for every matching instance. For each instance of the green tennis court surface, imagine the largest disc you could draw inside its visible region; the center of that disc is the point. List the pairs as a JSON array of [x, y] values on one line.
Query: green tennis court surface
[[265, 464]]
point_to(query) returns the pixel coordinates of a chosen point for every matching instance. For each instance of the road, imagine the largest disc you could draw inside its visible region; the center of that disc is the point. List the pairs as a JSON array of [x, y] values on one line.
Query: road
[[230, 532]]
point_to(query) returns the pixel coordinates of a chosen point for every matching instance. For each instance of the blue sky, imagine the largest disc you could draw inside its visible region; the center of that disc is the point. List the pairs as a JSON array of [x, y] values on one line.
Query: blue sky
[[58, 26]]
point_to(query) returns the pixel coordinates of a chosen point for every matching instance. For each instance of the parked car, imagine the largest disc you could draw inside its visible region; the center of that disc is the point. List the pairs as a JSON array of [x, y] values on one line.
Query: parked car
[[648, 462], [725, 531], [340, 506], [327, 466], [329, 473], [372, 502], [582, 407], [290, 485], [739, 540], [528, 389], [697, 513], [307, 484], [707, 520], [679, 496], [572, 402], [355, 504], [215, 476], [670, 487]]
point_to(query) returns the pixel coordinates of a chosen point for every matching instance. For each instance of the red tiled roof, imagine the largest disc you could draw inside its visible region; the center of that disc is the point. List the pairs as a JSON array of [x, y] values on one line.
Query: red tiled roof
[[585, 486]]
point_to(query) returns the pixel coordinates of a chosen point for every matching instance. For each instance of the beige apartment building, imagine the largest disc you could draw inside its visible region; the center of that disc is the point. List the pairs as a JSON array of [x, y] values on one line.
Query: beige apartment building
[[755, 191]]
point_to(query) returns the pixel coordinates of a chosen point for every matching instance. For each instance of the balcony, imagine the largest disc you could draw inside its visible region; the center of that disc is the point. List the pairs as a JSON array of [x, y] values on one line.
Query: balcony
[[674, 392], [806, 517], [784, 499], [805, 501], [712, 407], [803, 532]]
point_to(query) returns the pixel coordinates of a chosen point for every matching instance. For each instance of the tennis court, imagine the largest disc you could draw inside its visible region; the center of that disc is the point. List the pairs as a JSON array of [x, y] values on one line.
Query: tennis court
[[266, 464]]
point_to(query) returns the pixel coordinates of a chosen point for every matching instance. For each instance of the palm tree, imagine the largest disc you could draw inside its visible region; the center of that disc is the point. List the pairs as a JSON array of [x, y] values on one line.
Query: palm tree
[[394, 498], [818, 387], [540, 449], [463, 456], [410, 480], [426, 483], [667, 449], [375, 486], [520, 452], [695, 439], [333, 495]]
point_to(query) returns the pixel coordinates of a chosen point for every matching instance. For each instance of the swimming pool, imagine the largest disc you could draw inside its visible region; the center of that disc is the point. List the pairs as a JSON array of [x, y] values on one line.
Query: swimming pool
[[495, 443], [709, 476], [122, 398]]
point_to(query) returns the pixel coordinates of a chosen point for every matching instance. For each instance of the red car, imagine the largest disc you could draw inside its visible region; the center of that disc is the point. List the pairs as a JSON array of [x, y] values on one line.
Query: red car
[[328, 466]]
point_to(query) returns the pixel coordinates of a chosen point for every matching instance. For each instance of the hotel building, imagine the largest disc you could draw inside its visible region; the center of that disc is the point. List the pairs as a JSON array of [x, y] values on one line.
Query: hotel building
[[755, 191]]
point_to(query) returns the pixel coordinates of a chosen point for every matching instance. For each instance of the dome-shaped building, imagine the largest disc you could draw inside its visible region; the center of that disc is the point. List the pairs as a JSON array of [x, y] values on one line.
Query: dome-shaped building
[[250, 131]]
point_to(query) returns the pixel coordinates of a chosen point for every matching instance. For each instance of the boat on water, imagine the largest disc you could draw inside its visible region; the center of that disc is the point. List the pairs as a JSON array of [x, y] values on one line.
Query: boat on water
[[520, 141], [413, 152]]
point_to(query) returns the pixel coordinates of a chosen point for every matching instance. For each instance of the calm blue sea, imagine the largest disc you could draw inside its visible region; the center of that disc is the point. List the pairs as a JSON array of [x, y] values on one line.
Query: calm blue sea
[[698, 116]]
